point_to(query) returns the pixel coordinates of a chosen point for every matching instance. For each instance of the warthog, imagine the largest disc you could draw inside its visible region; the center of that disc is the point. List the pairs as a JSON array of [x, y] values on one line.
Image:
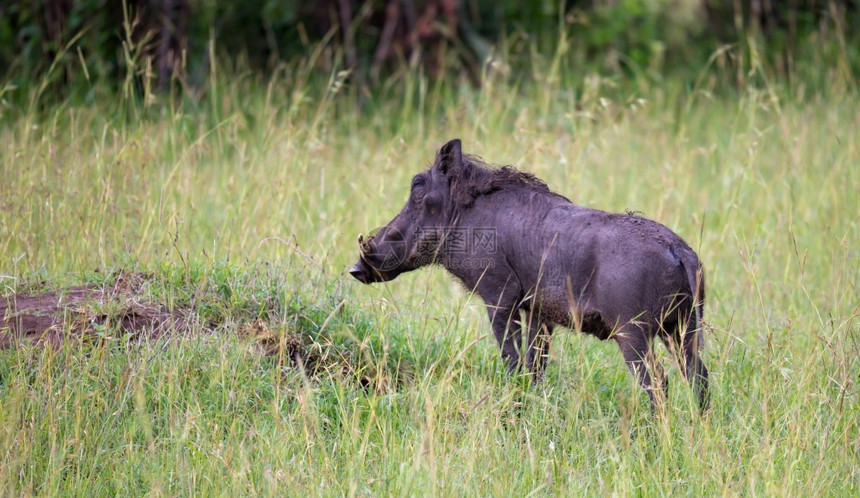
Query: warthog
[[528, 251]]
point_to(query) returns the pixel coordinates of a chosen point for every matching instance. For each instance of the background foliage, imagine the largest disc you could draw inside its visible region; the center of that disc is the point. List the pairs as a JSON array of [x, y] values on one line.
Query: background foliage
[[163, 42]]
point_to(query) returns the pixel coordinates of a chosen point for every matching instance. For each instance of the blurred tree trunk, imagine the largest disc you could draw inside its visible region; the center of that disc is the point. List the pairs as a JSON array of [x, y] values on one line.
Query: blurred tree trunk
[[171, 44]]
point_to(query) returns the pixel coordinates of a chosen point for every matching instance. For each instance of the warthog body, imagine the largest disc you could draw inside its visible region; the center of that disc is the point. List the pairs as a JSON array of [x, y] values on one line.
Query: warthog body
[[540, 261]]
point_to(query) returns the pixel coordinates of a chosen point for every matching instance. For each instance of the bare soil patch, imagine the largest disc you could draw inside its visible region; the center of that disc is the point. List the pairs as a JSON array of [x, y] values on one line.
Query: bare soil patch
[[53, 316], [132, 307]]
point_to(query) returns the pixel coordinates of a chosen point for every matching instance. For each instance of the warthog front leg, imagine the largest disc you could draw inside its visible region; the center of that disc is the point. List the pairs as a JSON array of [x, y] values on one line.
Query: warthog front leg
[[508, 334], [538, 346], [502, 295]]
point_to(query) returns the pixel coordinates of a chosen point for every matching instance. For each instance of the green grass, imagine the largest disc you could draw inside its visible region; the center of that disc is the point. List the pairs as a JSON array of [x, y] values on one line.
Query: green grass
[[243, 210]]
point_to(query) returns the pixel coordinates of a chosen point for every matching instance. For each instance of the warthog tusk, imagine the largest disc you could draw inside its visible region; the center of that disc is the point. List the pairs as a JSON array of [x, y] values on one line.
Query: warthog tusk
[[364, 244]]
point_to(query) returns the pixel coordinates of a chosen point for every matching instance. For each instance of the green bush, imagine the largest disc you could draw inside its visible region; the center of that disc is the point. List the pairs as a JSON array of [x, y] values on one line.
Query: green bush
[[137, 45]]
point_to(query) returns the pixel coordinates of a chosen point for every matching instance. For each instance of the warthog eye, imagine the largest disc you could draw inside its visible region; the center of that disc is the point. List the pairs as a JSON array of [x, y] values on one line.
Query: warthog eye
[[418, 181]]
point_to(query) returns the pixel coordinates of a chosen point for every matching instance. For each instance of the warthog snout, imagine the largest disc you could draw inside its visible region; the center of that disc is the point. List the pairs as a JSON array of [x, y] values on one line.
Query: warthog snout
[[361, 272]]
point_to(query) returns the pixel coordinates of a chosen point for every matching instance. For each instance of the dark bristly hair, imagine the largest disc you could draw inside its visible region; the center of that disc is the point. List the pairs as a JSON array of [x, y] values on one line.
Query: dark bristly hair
[[477, 178]]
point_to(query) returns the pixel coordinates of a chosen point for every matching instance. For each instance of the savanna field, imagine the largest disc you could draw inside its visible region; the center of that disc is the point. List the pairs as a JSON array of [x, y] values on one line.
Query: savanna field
[[227, 225]]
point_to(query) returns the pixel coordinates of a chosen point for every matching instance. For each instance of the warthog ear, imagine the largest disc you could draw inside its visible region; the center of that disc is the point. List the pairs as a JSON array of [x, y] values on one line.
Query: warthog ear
[[451, 158]]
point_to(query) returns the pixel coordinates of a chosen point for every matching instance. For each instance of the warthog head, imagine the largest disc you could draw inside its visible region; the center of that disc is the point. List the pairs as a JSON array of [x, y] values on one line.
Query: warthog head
[[412, 239]]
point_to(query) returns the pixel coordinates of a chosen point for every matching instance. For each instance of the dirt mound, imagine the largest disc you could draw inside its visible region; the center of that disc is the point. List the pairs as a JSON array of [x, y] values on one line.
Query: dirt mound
[[250, 305], [51, 316]]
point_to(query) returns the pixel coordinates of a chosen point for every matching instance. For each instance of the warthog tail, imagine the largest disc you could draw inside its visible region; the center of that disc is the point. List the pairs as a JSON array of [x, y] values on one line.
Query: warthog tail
[[695, 370]]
